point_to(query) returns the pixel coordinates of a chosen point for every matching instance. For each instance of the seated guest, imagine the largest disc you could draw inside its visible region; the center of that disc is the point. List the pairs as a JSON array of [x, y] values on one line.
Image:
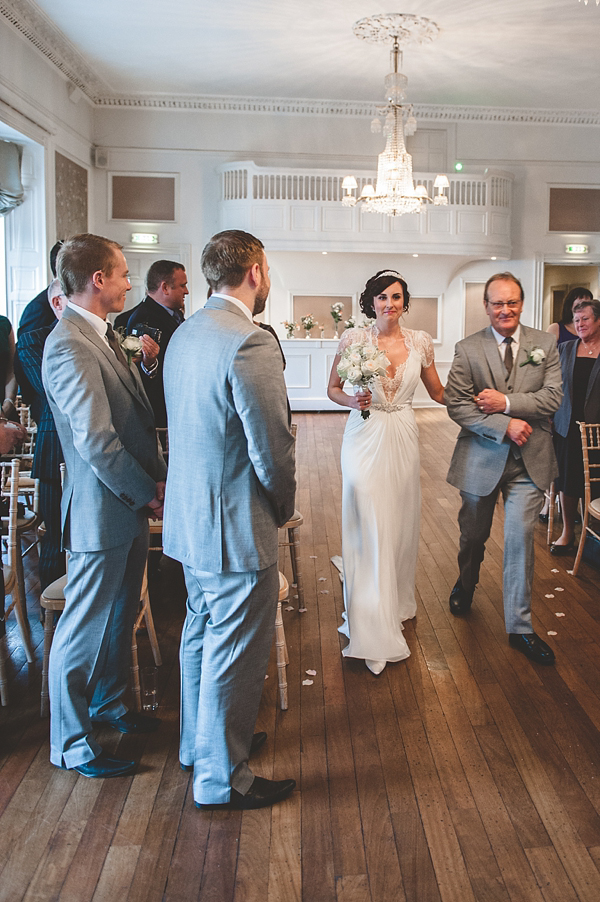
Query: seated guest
[[581, 402], [48, 456], [162, 309], [8, 380]]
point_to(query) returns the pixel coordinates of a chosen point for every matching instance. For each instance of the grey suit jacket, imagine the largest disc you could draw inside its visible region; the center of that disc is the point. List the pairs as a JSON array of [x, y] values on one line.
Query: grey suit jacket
[[562, 419], [535, 394], [231, 476], [106, 429]]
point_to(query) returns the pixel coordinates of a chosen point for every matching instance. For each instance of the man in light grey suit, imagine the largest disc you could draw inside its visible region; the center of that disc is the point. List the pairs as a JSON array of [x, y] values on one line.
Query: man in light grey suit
[[504, 385], [230, 486], [113, 482]]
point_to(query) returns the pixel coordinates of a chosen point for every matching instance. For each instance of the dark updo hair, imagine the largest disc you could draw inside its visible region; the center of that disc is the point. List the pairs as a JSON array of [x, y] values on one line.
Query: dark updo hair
[[376, 285], [575, 294]]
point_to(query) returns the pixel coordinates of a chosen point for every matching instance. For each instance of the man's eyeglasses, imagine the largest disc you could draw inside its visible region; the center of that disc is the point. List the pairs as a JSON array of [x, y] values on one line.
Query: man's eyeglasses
[[499, 305]]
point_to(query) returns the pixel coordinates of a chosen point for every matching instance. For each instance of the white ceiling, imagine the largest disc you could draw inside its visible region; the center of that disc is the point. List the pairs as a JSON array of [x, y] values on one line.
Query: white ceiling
[[539, 54]]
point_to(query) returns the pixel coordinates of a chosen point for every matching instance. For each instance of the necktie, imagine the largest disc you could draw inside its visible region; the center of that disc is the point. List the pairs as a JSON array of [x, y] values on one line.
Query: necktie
[[116, 347], [178, 316], [508, 356]]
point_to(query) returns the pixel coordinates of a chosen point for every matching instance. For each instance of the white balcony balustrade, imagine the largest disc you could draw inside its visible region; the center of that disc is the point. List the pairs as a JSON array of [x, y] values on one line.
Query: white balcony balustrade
[[301, 209]]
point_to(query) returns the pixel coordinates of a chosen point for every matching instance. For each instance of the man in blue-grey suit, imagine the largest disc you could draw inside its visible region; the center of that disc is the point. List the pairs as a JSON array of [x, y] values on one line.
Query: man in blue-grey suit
[[114, 480], [504, 385], [231, 484]]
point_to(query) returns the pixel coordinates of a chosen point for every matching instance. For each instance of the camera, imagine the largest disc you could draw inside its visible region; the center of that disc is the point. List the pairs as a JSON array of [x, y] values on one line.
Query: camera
[[144, 329]]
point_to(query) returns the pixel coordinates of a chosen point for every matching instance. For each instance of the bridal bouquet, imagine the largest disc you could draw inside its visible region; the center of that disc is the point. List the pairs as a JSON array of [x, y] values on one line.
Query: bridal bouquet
[[359, 364]]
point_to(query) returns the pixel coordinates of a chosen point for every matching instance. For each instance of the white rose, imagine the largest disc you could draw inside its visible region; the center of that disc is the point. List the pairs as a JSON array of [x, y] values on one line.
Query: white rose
[[354, 374], [370, 368], [132, 344], [354, 358], [537, 355]]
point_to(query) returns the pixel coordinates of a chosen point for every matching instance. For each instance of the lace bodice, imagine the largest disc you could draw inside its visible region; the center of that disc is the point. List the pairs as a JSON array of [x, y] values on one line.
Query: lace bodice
[[415, 340]]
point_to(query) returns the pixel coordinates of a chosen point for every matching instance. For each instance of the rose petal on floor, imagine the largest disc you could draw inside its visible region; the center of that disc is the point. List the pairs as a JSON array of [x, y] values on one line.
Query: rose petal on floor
[[555, 570], [552, 633], [324, 592], [322, 579], [289, 607], [558, 589], [302, 610], [311, 672], [307, 682], [559, 613], [549, 596]]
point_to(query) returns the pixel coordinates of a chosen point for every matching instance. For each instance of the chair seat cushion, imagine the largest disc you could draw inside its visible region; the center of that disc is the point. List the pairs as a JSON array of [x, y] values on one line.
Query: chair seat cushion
[[594, 507], [56, 590]]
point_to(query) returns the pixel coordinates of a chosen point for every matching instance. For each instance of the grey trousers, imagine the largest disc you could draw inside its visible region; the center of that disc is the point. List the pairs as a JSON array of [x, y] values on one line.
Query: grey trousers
[[522, 502], [225, 646], [91, 649]]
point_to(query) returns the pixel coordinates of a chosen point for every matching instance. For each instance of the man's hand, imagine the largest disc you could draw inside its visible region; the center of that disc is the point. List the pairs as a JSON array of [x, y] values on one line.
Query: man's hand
[[10, 435], [150, 350], [518, 431], [156, 505], [490, 401]]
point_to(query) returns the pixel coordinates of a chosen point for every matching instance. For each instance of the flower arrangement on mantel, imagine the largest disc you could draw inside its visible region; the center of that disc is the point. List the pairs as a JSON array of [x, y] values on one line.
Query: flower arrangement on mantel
[[290, 328], [308, 322], [336, 315]]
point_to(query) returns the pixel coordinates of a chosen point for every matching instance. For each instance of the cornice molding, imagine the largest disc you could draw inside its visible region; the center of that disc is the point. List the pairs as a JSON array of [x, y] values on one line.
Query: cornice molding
[[346, 109], [31, 23]]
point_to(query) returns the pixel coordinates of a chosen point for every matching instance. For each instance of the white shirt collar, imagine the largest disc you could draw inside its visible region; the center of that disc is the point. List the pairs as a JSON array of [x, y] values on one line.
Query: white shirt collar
[[240, 304], [96, 322], [516, 336]]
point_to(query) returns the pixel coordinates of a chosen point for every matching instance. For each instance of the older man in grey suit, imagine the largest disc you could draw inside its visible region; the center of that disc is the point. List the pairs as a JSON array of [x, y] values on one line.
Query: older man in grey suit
[[230, 486], [114, 481], [504, 385]]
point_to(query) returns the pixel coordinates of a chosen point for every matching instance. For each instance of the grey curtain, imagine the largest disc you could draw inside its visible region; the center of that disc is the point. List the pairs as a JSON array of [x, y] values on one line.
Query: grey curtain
[[11, 187]]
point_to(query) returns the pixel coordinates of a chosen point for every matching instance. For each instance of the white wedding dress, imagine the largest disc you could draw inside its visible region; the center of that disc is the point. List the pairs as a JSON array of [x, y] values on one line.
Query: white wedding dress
[[381, 507]]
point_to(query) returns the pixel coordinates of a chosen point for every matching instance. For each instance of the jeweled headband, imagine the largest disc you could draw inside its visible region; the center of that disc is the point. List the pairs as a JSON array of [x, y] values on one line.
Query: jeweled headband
[[390, 272]]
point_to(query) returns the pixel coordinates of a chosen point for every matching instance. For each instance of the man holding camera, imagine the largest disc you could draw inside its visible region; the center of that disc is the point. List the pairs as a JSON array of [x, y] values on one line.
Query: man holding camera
[[155, 321]]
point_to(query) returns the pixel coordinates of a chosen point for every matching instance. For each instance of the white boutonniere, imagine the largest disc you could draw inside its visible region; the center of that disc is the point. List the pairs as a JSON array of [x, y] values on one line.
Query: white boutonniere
[[535, 357], [130, 345]]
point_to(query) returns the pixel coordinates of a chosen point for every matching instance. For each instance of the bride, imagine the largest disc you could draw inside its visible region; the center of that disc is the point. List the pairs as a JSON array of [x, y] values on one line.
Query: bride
[[381, 500]]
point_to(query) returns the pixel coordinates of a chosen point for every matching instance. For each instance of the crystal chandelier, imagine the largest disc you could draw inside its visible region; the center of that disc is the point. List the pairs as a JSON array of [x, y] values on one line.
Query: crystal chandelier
[[395, 192]]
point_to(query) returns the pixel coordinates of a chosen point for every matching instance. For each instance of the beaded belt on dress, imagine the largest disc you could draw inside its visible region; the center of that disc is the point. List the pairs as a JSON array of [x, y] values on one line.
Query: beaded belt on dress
[[389, 406]]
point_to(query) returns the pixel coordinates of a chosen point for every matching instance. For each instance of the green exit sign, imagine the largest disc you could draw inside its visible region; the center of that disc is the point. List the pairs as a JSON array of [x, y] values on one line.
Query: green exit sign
[[576, 249]]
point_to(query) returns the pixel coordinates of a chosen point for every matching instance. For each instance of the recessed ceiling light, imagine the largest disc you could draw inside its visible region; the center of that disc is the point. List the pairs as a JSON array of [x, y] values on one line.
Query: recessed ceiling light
[[493, 258], [323, 252], [415, 255]]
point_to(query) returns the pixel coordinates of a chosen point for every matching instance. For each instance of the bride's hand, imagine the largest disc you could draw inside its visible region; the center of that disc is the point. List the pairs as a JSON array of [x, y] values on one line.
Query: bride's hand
[[362, 400]]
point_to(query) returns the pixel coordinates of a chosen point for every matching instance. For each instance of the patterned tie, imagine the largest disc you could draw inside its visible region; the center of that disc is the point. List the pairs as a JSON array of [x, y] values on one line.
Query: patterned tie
[[508, 356], [178, 316], [116, 347]]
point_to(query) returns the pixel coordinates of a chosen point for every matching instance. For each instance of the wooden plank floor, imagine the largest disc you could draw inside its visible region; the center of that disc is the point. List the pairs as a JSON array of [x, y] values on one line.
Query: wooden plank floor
[[464, 773]]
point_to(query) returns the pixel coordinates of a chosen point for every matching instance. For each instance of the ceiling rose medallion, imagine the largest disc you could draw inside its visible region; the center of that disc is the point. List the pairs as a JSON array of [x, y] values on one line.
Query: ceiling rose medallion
[[394, 192]]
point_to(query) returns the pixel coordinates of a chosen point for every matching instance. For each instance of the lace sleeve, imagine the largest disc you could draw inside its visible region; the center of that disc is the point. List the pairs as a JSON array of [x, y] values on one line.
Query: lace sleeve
[[349, 337], [423, 343]]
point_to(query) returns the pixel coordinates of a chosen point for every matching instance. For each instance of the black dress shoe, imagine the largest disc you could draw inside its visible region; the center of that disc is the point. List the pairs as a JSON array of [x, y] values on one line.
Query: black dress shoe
[[258, 740], [105, 766], [131, 722], [460, 599], [261, 794], [532, 647], [562, 550]]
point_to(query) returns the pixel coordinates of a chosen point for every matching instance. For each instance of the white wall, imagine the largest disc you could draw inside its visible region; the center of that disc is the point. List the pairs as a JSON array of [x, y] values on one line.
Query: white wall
[[35, 96]]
